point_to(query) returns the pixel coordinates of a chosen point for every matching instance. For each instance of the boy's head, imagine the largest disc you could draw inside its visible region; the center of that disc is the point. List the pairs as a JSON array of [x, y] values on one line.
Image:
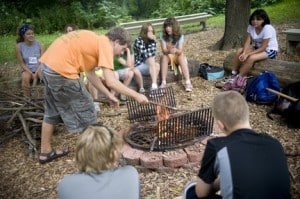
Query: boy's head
[[230, 108], [98, 149]]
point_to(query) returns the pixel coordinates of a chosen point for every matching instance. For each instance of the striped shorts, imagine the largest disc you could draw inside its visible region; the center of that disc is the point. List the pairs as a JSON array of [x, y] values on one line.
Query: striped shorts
[[271, 53]]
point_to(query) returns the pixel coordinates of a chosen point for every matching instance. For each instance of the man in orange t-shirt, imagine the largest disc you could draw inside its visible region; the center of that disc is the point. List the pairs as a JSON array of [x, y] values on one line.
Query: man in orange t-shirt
[[66, 98]]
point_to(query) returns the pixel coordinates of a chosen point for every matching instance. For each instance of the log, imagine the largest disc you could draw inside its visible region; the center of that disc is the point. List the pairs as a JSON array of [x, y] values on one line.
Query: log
[[193, 66], [285, 71]]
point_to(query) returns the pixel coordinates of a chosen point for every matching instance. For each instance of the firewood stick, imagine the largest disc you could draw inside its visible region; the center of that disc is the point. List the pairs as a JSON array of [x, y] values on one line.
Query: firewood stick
[[15, 114], [283, 95], [23, 99], [159, 104], [17, 108], [34, 120], [27, 113], [26, 130]]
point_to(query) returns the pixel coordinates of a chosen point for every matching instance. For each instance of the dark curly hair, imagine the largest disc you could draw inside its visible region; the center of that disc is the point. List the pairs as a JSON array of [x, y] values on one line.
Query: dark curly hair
[[172, 22]]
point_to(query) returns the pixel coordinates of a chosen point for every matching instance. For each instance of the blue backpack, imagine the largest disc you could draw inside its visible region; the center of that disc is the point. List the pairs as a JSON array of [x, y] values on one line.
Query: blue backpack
[[257, 92]]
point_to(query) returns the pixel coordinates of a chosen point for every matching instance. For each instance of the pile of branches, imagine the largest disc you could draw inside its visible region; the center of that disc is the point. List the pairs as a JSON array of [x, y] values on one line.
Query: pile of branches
[[21, 116]]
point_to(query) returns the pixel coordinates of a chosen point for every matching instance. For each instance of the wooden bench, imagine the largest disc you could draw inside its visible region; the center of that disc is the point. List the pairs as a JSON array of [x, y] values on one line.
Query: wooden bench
[[135, 26], [292, 39]]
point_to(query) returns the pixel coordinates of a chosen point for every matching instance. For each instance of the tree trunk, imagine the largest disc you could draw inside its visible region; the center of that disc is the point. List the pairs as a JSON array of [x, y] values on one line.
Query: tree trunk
[[237, 14]]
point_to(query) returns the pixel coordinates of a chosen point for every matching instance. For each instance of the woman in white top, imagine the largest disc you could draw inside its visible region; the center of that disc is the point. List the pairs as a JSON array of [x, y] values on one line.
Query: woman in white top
[[261, 43]]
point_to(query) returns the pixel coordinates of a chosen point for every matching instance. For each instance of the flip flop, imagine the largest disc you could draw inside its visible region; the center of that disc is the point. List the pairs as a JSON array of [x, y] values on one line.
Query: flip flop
[[52, 155]]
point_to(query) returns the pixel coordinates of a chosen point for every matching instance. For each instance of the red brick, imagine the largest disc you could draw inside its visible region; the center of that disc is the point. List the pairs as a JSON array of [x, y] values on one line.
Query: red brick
[[190, 165], [131, 155], [123, 132], [195, 152], [152, 160], [175, 158]]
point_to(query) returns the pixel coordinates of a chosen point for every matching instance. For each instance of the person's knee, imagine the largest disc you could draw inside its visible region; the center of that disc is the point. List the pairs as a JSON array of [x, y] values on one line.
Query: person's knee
[[239, 51], [251, 59], [130, 74]]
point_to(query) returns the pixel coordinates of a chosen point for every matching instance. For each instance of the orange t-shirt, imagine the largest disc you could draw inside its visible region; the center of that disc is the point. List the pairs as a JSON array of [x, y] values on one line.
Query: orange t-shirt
[[78, 51]]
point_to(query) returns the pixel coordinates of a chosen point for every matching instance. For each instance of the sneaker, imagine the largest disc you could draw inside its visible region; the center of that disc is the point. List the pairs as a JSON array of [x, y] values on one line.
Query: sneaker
[[163, 85], [240, 81], [97, 106], [123, 97], [188, 87], [142, 90], [229, 78]]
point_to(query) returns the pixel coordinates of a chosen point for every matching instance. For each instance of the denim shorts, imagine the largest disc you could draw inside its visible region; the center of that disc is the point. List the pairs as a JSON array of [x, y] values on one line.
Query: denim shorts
[[68, 101], [122, 73], [144, 69]]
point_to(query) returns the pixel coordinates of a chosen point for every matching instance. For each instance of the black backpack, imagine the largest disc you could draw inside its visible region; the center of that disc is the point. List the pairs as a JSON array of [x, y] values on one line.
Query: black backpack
[[288, 109]]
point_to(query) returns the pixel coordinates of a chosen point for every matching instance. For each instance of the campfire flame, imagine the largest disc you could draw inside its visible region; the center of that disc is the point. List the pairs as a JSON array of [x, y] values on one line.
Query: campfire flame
[[162, 113]]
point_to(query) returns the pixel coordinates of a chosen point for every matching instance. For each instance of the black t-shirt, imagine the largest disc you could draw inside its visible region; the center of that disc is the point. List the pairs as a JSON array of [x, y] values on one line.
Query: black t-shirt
[[250, 165]]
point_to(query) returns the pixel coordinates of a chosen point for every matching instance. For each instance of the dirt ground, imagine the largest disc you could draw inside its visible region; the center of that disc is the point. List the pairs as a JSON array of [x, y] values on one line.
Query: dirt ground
[[21, 176]]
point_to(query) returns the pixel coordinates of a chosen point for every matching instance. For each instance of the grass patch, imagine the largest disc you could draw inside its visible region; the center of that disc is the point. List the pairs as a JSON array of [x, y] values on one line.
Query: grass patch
[[286, 11]]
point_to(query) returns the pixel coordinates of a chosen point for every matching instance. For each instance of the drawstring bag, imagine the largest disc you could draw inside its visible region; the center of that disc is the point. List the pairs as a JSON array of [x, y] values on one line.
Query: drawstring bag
[[210, 72]]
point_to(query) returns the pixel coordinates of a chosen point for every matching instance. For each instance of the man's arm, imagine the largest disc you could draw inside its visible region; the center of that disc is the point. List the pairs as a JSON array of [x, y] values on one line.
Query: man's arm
[[117, 86], [97, 83]]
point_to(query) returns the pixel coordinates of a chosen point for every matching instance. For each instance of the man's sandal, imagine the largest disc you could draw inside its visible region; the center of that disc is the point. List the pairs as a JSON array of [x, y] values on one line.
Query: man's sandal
[[52, 155]]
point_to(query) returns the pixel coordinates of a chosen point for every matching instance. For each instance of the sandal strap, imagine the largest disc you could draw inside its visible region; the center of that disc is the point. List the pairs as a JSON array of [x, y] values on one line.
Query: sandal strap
[[51, 153]]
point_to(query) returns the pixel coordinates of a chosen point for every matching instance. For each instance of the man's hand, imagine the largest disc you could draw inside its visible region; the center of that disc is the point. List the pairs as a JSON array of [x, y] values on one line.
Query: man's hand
[[114, 101], [142, 99]]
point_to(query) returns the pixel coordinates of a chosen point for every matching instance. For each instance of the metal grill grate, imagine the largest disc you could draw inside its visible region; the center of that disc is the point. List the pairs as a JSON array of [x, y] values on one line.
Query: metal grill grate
[[178, 131], [138, 112]]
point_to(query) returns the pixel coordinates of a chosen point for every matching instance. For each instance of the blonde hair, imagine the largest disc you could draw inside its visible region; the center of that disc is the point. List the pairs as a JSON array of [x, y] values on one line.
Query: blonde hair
[[98, 149], [231, 108]]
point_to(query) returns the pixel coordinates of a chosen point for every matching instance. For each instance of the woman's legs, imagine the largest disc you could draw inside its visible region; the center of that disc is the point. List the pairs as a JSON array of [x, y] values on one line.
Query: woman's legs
[[247, 65], [127, 77], [26, 79], [139, 79], [153, 70], [164, 69], [182, 61], [236, 62]]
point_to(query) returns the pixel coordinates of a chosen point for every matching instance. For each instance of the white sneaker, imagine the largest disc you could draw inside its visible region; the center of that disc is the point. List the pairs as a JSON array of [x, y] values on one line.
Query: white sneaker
[[123, 97], [142, 90], [97, 106], [229, 78], [188, 87]]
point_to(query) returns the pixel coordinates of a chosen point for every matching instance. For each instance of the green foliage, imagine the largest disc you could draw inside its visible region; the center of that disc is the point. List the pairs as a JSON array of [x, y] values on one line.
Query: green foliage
[[286, 10], [50, 22], [10, 19], [52, 16], [259, 3]]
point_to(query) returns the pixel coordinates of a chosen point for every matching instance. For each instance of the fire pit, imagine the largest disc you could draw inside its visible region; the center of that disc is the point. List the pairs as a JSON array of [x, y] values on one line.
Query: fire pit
[[158, 126]]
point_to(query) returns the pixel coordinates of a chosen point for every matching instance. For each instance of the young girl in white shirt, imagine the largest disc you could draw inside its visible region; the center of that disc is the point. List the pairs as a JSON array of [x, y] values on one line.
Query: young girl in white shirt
[[261, 43]]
